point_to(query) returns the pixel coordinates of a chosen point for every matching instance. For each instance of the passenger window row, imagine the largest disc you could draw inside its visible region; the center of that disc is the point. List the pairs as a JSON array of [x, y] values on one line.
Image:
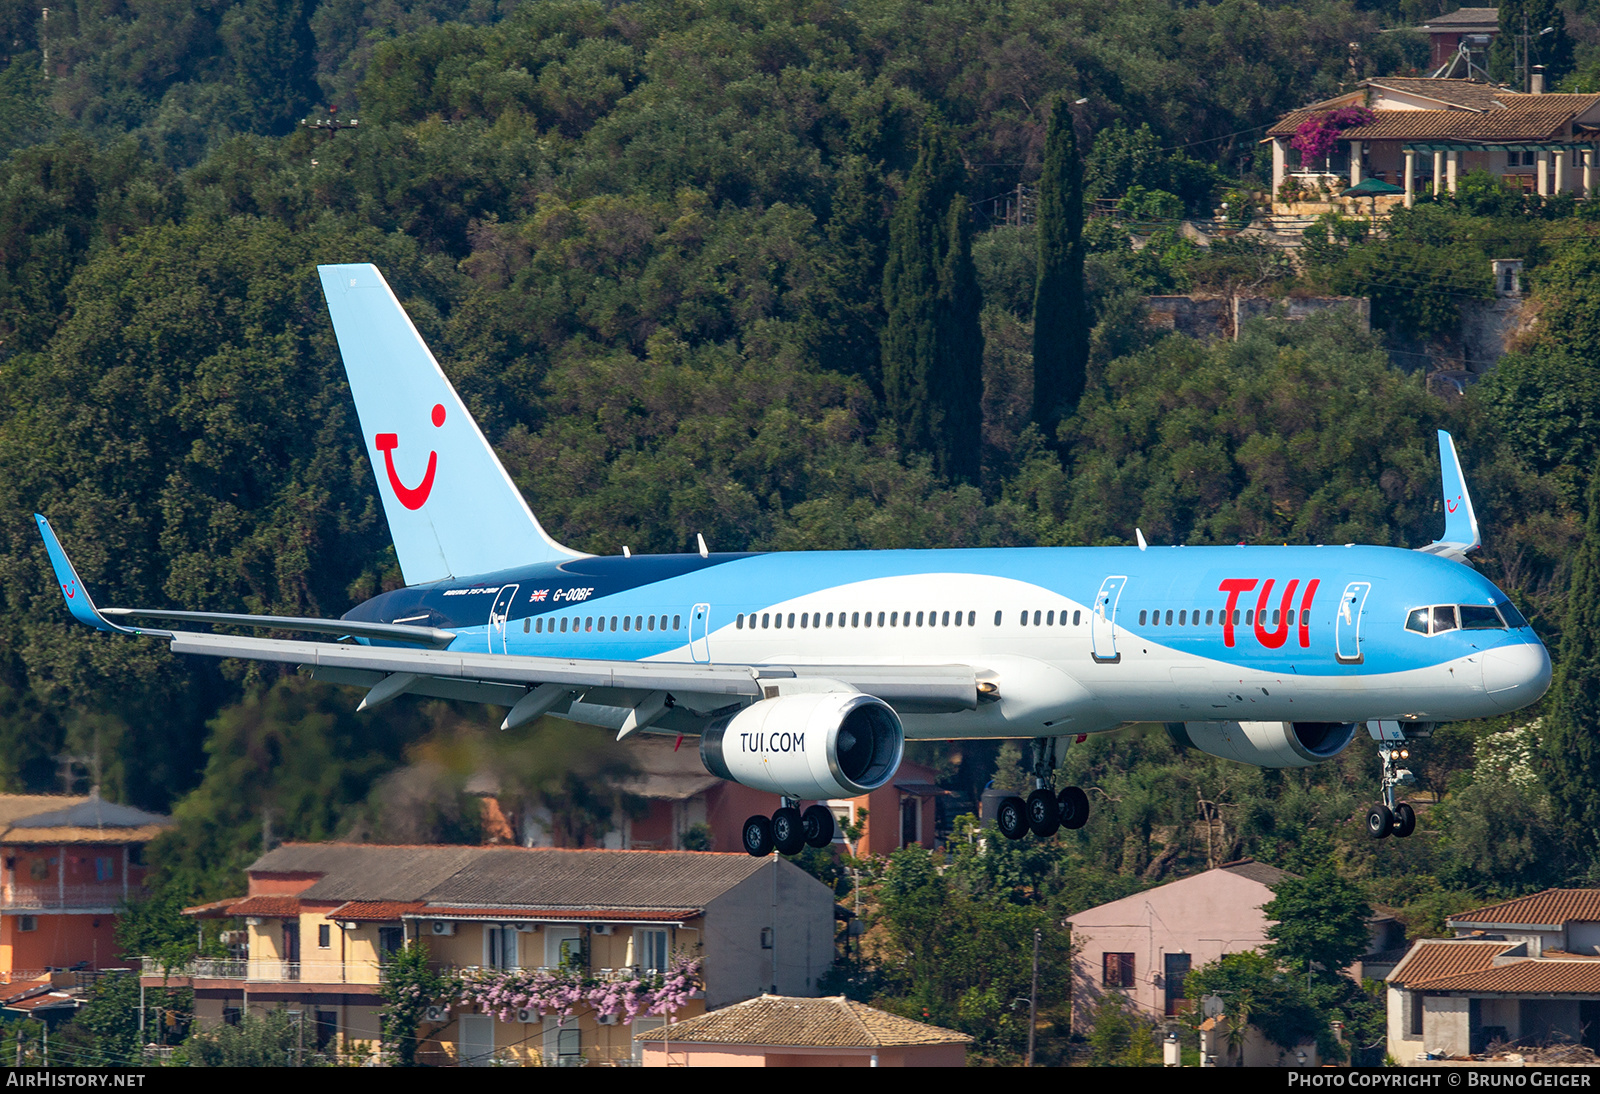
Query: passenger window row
[[1187, 618], [816, 620], [1466, 617], [1046, 619], [542, 625]]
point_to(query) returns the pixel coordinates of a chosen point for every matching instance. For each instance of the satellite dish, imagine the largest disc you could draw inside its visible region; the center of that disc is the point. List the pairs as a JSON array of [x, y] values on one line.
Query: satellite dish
[[1211, 1006]]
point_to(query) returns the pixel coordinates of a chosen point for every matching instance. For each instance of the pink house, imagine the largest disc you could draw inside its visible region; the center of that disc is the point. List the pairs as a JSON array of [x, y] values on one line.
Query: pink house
[[1143, 946]]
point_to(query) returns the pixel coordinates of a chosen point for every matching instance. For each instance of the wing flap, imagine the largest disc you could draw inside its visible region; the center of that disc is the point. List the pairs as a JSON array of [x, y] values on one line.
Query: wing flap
[[431, 637], [933, 689]]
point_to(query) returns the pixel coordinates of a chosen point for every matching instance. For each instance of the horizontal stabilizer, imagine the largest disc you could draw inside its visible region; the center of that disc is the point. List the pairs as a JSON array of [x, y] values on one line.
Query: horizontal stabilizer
[[1460, 522]]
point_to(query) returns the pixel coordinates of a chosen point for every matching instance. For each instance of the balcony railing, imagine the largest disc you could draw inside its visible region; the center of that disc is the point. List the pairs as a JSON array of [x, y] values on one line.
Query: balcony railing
[[43, 897], [272, 971]]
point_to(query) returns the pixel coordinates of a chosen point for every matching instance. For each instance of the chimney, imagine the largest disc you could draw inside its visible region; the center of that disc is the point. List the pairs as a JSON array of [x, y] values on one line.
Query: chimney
[[1537, 85]]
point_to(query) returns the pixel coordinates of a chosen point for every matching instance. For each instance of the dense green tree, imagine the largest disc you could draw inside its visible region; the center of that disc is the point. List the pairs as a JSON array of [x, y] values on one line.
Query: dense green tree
[[956, 381], [1522, 44], [1321, 922], [918, 243], [1060, 314], [1570, 736]]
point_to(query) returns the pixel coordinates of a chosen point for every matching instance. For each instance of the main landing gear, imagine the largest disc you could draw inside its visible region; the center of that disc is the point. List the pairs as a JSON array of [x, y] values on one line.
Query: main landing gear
[[1389, 817], [789, 831], [1044, 811]]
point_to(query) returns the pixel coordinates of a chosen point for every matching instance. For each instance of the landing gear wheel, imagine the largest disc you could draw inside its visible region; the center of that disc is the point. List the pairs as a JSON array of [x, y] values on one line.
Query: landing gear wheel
[[1379, 821], [1073, 806], [817, 825], [1405, 820], [1043, 816], [788, 831], [757, 836], [1012, 817]]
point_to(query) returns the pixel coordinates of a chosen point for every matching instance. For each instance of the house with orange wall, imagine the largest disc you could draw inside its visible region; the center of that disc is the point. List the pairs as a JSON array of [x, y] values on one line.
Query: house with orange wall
[[679, 794], [66, 863], [320, 922]]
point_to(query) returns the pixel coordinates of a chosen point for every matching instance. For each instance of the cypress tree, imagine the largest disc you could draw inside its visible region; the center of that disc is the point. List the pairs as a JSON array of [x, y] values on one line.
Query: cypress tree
[[1573, 721], [911, 292], [958, 385], [1060, 312]]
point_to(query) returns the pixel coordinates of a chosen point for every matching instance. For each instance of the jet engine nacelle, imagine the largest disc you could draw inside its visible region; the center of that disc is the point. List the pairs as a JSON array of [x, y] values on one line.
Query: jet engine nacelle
[[836, 744], [1267, 744]]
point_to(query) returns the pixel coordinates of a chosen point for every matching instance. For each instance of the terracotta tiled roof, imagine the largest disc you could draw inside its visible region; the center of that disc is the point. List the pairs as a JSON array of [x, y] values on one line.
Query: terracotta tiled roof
[[1429, 961], [217, 909], [538, 880], [600, 915], [266, 905], [1558, 977], [353, 871], [374, 911], [1537, 120], [782, 1021], [1463, 18], [75, 818], [1551, 909], [549, 877], [1467, 94], [1255, 871]]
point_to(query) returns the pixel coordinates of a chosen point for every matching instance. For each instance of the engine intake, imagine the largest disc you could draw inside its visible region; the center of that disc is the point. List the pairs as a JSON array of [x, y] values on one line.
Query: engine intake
[[1266, 744], [818, 746]]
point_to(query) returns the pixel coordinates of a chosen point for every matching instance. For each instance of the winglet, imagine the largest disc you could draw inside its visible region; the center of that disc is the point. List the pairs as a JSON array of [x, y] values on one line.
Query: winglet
[[79, 603], [1460, 521]]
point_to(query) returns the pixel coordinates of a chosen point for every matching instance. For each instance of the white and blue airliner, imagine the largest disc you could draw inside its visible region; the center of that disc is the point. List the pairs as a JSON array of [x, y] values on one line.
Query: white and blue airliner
[[803, 673]]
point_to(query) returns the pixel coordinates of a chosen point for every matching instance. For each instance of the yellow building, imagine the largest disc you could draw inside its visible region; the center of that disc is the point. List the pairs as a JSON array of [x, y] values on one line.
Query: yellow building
[[321, 921]]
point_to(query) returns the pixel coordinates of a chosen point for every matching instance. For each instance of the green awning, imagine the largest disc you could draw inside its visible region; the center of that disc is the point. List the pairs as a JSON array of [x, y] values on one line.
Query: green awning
[[1371, 187]]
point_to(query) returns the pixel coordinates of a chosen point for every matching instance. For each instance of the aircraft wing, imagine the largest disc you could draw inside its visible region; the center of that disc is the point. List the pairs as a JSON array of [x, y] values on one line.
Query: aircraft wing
[[609, 691]]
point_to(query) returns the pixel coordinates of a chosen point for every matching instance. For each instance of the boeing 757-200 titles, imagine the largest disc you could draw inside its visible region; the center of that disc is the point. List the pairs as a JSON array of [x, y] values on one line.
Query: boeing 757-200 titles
[[803, 673]]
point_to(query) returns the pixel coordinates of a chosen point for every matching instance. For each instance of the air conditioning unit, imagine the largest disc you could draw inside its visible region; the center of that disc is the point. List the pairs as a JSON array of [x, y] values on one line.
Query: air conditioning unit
[[527, 928], [609, 1019], [602, 928], [437, 1014], [444, 927], [527, 1016]]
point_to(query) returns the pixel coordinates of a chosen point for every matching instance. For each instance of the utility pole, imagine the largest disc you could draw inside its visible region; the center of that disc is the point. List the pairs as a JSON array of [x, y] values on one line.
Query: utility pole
[[44, 43], [1033, 997]]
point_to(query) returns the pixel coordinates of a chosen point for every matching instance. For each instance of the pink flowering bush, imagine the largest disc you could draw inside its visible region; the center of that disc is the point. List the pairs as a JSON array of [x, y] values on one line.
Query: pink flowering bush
[[1318, 135], [563, 992]]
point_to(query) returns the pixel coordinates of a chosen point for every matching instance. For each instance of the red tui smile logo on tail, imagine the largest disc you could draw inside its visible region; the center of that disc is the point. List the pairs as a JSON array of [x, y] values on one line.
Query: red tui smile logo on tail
[[412, 497]]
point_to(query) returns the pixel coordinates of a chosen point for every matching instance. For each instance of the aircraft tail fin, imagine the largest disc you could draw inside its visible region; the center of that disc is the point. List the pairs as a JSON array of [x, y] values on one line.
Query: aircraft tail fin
[[1460, 521], [453, 511]]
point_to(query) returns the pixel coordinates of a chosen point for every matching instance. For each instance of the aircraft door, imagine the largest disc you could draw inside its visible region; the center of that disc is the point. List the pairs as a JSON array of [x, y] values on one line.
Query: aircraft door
[[1103, 621], [1347, 625], [498, 614], [700, 634]]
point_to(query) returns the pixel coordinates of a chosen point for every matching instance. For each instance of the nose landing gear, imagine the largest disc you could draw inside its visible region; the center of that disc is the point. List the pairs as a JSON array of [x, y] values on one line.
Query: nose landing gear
[[1389, 817], [1045, 811]]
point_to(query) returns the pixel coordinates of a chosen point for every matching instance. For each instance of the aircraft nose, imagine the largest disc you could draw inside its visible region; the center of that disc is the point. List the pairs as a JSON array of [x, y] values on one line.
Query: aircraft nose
[[1515, 676]]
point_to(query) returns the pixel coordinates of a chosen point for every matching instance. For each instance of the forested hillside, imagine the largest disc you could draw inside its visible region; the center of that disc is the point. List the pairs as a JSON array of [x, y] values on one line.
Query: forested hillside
[[648, 241]]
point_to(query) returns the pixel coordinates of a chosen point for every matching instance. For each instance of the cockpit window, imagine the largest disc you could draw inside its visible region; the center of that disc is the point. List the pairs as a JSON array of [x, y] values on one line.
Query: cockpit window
[[1448, 617], [1512, 617], [1476, 617]]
